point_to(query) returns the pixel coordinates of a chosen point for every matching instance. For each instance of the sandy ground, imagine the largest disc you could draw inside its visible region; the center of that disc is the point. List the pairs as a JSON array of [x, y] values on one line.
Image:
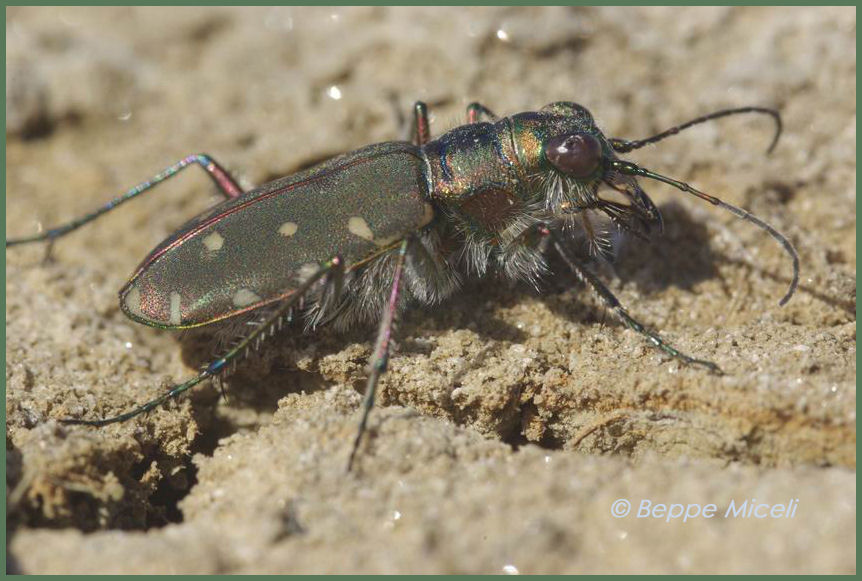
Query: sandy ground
[[510, 421]]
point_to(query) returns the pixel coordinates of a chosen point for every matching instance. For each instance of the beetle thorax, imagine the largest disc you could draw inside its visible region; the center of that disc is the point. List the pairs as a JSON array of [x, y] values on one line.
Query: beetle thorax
[[476, 177]]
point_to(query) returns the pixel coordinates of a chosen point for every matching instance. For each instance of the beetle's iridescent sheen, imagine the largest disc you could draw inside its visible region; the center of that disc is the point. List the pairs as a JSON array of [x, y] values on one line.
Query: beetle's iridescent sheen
[[365, 234]]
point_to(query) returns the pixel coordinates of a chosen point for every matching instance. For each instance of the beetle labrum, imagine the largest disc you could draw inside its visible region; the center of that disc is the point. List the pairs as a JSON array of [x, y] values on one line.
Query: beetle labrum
[[358, 237]]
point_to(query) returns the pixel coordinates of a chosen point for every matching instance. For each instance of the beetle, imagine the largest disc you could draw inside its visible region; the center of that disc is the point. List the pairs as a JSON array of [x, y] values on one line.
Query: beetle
[[357, 238]]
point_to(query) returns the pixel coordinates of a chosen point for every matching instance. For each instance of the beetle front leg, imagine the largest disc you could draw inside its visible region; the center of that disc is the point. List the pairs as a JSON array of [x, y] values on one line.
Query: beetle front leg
[[223, 180], [333, 270], [476, 111], [604, 293], [380, 358]]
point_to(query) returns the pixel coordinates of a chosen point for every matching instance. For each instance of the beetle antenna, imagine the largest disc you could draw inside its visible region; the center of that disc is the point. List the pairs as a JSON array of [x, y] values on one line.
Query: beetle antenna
[[625, 145], [631, 169]]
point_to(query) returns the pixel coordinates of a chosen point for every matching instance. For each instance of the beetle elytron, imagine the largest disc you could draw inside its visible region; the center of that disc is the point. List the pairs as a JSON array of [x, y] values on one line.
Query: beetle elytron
[[358, 237]]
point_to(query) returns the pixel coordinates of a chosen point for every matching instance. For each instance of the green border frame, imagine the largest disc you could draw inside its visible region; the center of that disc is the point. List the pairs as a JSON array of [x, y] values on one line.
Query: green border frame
[[333, 3]]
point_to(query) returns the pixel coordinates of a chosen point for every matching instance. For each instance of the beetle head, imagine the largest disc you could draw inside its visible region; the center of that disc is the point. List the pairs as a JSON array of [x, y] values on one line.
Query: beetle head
[[580, 176], [577, 159]]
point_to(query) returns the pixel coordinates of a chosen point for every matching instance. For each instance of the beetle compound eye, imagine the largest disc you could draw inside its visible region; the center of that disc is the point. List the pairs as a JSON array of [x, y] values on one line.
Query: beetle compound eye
[[576, 155]]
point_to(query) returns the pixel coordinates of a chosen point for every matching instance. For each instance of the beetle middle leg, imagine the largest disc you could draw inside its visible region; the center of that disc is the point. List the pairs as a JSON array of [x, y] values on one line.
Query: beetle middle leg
[[380, 358], [332, 270], [608, 297], [223, 180], [421, 125], [476, 111]]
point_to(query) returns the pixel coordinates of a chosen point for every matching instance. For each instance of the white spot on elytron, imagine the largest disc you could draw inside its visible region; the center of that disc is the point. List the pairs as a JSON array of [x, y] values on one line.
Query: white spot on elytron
[[359, 227], [176, 316], [288, 229], [428, 215], [244, 297], [133, 301], [307, 270], [214, 242], [384, 242]]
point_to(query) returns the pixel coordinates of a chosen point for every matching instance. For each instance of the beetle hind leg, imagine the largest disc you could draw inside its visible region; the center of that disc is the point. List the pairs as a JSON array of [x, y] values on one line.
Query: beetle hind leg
[[228, 187], [221, 364]]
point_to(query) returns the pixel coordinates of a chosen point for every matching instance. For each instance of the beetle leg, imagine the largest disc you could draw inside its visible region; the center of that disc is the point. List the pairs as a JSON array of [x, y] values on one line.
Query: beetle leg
[[475, 112], [380, 357], [604, 293], [421, 126], [226, 185], [216, 367]]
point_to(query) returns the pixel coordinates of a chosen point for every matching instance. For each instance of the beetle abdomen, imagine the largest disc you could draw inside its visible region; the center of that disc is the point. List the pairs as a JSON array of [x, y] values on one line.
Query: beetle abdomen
[[258, 248]]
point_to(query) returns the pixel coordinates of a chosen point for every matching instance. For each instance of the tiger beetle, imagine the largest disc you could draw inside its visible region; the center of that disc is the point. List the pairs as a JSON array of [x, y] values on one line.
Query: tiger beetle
[[360, 236]]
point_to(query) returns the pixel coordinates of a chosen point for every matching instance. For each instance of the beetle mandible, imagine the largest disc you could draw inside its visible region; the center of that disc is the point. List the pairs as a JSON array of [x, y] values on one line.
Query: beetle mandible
[[358, 237]]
